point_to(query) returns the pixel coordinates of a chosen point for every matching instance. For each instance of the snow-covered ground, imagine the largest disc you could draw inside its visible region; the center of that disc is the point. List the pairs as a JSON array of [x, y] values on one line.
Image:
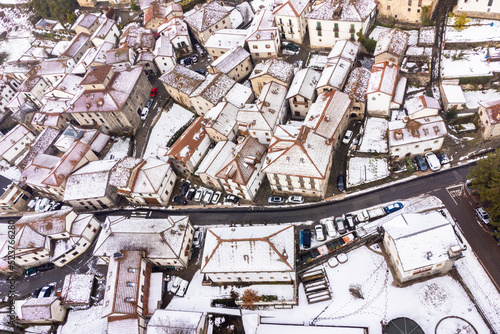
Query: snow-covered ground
[[374, 136], [364, 170], [317, 61], [19, 31], [468, 63], [119, 149], [169, 123], [10, 172], [473, 97], [476, 30], [89, 319]]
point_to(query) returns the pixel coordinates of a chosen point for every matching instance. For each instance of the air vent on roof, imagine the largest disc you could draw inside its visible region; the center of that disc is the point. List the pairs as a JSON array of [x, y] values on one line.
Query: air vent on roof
[[88, 105], [118, 255], [100, 102]]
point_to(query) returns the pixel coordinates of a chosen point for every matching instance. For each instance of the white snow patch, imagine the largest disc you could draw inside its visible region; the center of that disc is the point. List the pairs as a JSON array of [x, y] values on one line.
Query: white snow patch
[[375, 135], [89, 319], [10, 172], [169, 123], [476, 31], [119, 149], [467, 63], [364, 170], [473, 97]]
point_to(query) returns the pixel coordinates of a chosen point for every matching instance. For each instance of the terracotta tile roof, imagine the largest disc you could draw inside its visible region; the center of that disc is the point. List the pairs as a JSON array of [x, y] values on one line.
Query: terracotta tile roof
[[47, 223], [67, 164], [493, 110], [187, 144], [96, 75], [240, 166]]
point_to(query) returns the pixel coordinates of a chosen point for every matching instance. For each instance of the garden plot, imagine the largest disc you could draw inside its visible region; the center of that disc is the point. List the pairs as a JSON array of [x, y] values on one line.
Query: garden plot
[[467, 63], [473, 97], [167, 126], [374, 136], [365, 170], [475, 31]]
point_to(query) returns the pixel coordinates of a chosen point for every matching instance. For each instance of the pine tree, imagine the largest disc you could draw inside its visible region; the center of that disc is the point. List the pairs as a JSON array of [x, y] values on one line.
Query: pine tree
[[485, 178]]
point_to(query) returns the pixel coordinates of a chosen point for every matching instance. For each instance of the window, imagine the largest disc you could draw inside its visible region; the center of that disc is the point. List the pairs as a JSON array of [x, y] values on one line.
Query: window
[[490, 2], [337, 34], [389, 7], [409, 3], [420, 3], [268, 46], [254, 47], [409, 9]]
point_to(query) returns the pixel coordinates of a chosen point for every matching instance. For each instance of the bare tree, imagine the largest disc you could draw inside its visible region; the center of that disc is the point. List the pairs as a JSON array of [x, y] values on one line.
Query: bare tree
[[249, 298]]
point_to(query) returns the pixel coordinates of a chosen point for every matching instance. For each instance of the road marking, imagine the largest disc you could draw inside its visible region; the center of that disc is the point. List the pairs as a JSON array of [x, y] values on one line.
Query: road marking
[[455, 191], [141, 214]]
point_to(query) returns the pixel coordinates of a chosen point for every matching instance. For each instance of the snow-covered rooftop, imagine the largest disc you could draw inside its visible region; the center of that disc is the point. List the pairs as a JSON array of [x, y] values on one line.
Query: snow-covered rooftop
[[159, 238], [421, 239], [222, 118], [229, 60], [343, 48], [77, 289], [18, 133], [418, 103], [169, 321], [239, 94], [292, 8], [90, 181], [275, 68], [249, 249], [393, 41], [427, 36], [183, 79], [214, 87], [383, 78], [137, 37], [416, 130], [188, 142], [304, 83], [206, 15], [342, 10], [374, 136], [41, 143], [335, 75], [227, 39], [454, 94], [216, 158], [357, 83], [150, 176], [492, 109]]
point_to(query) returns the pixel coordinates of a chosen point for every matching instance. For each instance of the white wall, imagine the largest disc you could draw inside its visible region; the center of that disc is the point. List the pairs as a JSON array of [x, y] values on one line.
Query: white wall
[[416, 148], [378, 104]]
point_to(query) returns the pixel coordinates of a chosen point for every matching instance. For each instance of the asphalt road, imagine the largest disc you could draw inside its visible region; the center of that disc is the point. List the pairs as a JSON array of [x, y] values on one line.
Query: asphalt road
[[446, 185]]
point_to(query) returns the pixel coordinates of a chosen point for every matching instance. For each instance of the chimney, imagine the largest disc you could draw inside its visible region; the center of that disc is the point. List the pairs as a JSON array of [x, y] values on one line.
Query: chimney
[[390, 63], [398, 134]]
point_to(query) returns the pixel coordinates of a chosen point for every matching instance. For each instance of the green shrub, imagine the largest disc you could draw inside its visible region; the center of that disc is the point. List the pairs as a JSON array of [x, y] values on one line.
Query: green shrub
[[475, 80]]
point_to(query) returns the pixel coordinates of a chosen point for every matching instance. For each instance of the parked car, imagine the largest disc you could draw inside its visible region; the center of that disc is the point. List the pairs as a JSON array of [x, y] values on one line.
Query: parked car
[[349, 221], [154, 91], [175, 284], [305, 238], [497, 238], [198, 235], [44, 202], [200, 50], [36, 293], [216, 197], [199, 195], [295, 199], [194, 58], [45, 267], [190, 194], [185, 188], [347, 137], [483, 215], [46, 291], [340, 182], [32, 203], [419, 160], [276, 200], [320, 236], [292, 47], [187, 61], [443, 159], [330, 229], [433, 161], [180, 200], [182, 62], [30, 272], [182, 288], [202, 71], [469, 188], [339, 223], [145, 110], [208, 196], [393, 207], [232, 199]]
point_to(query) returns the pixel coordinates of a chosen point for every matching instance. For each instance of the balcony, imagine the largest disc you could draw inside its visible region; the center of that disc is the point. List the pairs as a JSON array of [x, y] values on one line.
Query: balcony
[[336, 29], [318, 28], [352, 31]]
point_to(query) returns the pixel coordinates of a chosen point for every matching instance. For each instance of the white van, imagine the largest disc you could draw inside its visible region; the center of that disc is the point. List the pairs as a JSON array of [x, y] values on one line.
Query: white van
[[175, 284], [182, 288], [433, 161], [330, 229]]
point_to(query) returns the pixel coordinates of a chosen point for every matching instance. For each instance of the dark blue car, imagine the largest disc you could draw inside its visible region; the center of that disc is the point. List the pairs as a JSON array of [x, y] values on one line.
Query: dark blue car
[[393, 207]]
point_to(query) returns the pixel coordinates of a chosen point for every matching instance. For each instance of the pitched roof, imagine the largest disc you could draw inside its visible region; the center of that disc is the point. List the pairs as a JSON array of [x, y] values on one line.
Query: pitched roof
[[419, 103], [304, 83], [416, 130], [216, 158], [357, 83], [76, 45], [383, 78], [96, 75], [249, 249], [206, 15], [77, 289], [46, 223], [151, 175], [182, 79], [275, 68], [188, 142], [229, 60], [90, 181], [240, 165], [492, 109], [137, 37], [393, 41], [342, 10], [15, 135], [38, 308], [227, 39], [291, 8], [214, 87]]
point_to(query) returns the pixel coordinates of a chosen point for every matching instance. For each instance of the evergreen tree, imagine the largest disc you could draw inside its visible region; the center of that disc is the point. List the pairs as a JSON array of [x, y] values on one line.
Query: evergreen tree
[[485, 178]]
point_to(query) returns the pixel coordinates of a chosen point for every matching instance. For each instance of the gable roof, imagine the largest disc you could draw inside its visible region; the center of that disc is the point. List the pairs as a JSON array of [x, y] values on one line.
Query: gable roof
[[206, 15], [240, 165], [304, 83], [357, 84], [393, 41], [416, 130], [182, 79], [492, 109], [342, 10], [291, 8], [383, 78], [214, 87], [151, 175], [188, 142], [275, 68], [249, 249], [419, 103]]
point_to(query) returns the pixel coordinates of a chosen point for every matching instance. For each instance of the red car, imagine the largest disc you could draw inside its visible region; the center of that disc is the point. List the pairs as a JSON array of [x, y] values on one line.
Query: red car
[[154, 91]]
